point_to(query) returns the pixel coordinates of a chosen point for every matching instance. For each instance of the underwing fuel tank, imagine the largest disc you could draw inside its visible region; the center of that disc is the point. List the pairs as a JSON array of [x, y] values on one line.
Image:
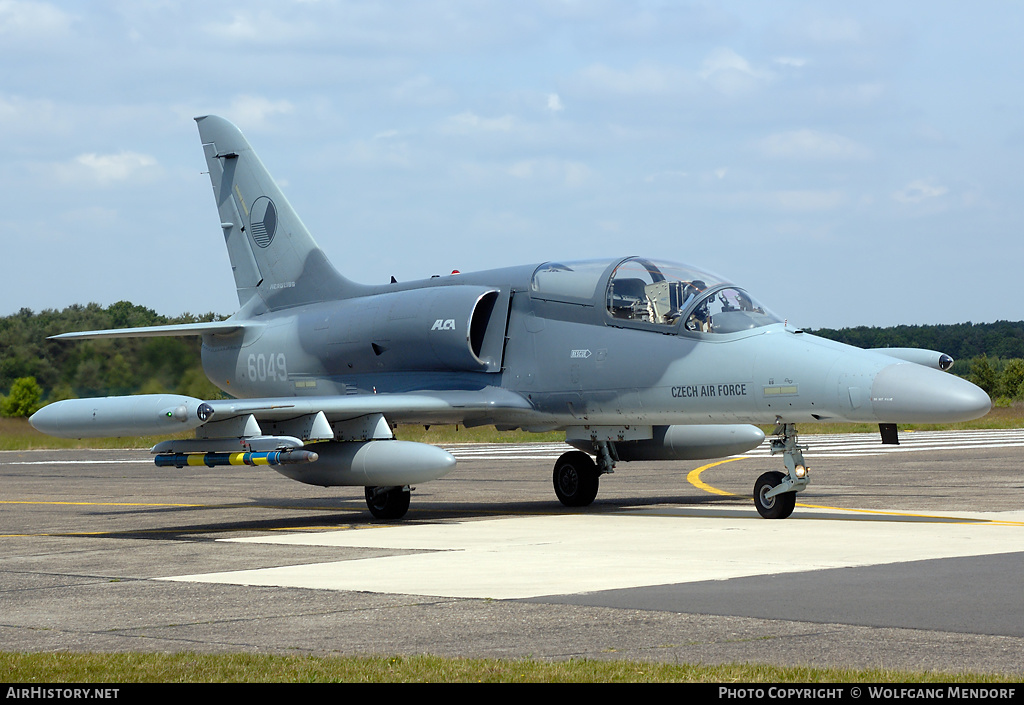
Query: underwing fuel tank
[[380, 463], [141, 415], [687, 443]]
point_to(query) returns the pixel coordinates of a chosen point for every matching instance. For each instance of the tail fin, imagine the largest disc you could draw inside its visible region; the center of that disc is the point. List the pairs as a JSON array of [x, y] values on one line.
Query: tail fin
[[272, 254]]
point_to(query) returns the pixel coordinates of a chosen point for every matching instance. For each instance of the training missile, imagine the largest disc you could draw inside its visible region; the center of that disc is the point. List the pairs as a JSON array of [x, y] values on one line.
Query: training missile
[[387, 463], [272, 458], [686, 443], [140, 415]]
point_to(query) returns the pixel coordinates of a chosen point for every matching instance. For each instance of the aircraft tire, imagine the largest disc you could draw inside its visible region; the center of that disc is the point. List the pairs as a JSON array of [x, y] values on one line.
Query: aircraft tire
[[778, 507], [392, 504], [576, 479]]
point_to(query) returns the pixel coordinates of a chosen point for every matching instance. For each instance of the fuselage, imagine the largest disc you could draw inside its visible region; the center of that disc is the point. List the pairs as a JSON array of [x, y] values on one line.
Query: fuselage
[[628, 341]]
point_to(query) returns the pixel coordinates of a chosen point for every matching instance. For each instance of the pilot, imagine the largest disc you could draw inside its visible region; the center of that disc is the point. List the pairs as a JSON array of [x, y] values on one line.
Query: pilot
[[691, 289], [700, 318]]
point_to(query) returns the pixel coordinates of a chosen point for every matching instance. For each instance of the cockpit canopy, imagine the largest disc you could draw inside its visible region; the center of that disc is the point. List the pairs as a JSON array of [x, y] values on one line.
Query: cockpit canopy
[[654, 294]]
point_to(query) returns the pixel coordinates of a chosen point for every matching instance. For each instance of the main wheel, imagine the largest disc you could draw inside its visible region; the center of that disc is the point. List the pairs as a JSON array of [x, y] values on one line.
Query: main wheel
[[778, 507], [575, 479], [390, 503]]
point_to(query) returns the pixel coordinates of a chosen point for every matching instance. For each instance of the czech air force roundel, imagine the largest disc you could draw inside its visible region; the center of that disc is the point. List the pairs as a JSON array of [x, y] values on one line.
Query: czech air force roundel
[[263, 221]]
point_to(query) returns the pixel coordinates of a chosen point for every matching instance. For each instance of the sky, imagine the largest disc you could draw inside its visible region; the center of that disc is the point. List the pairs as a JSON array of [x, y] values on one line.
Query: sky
[[847, 163]]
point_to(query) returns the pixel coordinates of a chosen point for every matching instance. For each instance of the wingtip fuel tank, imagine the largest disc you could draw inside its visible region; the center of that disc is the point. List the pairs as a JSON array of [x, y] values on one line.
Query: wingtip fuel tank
[[141, 415]]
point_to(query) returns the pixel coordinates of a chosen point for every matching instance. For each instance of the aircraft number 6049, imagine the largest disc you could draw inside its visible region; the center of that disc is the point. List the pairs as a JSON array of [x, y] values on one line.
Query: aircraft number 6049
[[263, 367]]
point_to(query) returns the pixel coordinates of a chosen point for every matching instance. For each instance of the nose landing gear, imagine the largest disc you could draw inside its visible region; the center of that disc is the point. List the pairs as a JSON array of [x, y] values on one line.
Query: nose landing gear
[[775, 492]]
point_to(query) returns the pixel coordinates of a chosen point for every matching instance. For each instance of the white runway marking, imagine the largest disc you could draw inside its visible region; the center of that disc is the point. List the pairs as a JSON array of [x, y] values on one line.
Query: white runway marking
[[837, 445], [841, 445], [522, 557]]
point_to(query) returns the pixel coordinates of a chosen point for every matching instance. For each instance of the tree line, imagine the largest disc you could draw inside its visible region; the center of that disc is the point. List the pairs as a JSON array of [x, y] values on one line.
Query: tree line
[[989, 354], [34, 370], [962, 341]]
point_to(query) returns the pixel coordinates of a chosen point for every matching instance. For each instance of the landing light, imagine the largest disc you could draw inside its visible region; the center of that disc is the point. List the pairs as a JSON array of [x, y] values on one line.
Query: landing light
[[801, 472]]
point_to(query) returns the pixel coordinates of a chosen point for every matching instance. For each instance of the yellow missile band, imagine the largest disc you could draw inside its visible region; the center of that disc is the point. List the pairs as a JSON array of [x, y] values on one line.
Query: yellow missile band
[[210, 460]]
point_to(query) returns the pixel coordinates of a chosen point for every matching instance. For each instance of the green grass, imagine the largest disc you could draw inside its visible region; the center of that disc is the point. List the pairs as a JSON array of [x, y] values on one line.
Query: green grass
[[17, 434], [66, 667]]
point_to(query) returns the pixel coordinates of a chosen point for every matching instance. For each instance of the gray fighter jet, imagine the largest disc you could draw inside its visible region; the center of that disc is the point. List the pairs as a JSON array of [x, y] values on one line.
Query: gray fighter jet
[[634, 358]]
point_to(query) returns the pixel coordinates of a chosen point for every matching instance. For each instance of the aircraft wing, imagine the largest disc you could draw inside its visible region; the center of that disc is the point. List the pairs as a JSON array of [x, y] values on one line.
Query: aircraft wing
[[146, 414], [470, 407]]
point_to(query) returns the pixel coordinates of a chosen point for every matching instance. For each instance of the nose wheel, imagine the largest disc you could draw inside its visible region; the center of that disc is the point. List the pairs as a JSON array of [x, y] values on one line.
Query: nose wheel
[[775, 492], [777, 506]]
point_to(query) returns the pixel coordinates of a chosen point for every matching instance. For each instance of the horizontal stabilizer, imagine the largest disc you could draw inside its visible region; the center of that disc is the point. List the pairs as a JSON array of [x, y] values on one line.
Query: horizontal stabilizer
[[181, 329]]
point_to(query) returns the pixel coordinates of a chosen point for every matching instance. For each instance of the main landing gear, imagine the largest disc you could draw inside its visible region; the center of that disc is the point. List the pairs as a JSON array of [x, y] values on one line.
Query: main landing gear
[[388, 502], [576, 475], [775, 492]]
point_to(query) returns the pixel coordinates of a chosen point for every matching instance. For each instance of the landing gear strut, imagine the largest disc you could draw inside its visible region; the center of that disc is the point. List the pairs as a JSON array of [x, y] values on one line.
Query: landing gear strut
[[775, 492], [388, 502]]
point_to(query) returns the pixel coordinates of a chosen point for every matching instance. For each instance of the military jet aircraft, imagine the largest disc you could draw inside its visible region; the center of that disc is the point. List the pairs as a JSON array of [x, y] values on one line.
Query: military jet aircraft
[[634, 358]]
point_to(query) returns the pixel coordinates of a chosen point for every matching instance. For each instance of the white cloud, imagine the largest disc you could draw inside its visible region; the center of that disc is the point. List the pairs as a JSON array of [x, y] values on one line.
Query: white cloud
[[666, 175], [799, 201], [790, 61], [561, 171], [105, 169], [41, 117], [919, 191], [833, 31], [729, 73], [555, 103], [253, 112], [381, 151], [647, 79], [807, 200], [811, 144], [859, 96], [31, 20], [421, 91], [263, 28], [471, 122]]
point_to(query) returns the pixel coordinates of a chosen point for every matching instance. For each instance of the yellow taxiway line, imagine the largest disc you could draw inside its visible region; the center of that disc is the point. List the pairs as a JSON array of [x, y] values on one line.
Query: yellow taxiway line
[[694, 479]]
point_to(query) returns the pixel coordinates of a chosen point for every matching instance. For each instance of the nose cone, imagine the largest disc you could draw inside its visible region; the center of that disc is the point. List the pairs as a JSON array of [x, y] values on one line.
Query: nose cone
[[909, 393]]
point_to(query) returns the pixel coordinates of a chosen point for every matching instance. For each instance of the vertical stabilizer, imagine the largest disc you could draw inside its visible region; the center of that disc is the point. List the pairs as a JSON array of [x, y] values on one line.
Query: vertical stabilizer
[[272, 254]]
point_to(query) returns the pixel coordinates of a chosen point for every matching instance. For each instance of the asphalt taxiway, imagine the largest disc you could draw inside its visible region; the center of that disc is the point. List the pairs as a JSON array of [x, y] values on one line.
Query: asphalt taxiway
[[896, 557]]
